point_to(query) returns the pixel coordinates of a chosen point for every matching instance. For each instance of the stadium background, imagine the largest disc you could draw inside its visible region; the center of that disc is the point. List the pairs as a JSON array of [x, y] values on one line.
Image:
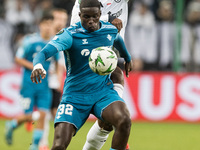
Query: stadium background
[[163, 92]]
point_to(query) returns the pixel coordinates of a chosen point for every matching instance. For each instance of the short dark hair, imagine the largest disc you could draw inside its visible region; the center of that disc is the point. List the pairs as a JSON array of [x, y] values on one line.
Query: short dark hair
[[90, 3], [46, 17]]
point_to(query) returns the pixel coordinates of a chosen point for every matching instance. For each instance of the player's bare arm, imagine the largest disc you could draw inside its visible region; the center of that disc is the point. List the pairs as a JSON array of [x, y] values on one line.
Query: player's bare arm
[[118, 24], [24, 63]]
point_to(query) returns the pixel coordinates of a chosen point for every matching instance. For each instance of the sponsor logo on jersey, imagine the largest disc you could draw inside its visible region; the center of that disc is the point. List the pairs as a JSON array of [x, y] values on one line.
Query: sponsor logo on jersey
[[84, 41], [85, 52], [117, 1], [117, 14]]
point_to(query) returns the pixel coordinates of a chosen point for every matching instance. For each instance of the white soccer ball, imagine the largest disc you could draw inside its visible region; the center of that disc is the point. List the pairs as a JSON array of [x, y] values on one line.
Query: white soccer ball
[[103, 60]]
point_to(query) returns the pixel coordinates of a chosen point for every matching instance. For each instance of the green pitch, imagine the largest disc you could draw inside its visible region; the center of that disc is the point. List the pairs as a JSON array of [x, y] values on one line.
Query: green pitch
[[144, 136]]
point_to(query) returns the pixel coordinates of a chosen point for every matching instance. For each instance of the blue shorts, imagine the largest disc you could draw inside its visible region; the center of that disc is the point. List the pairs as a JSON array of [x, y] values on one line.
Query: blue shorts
[[30, 98], [76, 108]]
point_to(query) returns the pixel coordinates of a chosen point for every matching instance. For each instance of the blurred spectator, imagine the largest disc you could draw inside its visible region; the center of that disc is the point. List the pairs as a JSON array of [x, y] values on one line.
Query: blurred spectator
[[46, 6], [2, 7], [151, 45], [36, 10], [142, 38], [65, 4], [190, 48], [155, 6], [19, 15], [39, 8], [130, 6], [151, 4], [6, 41], [166, 35]]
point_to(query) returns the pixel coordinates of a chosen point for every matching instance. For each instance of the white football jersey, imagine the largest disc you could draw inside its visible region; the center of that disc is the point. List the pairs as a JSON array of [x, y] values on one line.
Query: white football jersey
[[118, 8]]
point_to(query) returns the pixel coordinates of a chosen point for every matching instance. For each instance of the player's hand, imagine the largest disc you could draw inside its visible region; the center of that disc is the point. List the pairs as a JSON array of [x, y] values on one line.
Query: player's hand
[[118, 24], [128, 67], [38, 71]]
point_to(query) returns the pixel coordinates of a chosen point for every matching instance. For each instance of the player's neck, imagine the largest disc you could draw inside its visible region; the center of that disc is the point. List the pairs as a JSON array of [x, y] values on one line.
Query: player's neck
[[99, 26]]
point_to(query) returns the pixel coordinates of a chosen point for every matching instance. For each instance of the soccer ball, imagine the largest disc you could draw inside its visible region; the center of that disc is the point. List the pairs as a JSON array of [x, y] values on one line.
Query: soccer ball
[[103, 60]]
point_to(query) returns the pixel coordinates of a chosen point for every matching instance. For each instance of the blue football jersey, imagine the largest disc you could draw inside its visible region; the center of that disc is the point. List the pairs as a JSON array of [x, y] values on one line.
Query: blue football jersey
[[77, 44], [31, 45]]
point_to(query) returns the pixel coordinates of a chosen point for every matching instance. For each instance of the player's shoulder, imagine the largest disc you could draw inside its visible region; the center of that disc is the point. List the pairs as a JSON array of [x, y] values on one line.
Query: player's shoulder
[[67, 31], [75, 28], [31, 35], [62, 35], [108, 26], [30, 39]]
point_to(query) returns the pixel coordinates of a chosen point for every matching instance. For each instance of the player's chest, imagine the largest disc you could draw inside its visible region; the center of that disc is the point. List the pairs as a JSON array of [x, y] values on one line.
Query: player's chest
[[82, 47], [93, 41]]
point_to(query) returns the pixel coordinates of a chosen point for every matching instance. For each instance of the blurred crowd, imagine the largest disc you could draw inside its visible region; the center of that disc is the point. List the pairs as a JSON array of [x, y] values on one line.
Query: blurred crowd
[[155, 37], [161, 35]]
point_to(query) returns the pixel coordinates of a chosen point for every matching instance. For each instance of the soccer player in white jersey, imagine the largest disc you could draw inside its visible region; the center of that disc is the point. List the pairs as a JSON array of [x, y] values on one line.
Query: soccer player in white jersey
[[111, 10], [115, 12]]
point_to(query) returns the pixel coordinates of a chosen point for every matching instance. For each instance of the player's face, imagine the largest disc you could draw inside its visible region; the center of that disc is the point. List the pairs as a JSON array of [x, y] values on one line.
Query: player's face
[[46, 28], [90, 18], [59, 21]]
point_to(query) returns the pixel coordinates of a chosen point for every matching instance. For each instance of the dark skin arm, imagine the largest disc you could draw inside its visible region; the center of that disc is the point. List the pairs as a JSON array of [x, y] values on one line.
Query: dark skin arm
[[23, 62], [118, 24]]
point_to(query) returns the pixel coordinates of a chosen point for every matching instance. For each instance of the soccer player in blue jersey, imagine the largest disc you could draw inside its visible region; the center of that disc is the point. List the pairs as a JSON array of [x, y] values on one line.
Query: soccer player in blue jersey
[[31, 94], [84, 91]]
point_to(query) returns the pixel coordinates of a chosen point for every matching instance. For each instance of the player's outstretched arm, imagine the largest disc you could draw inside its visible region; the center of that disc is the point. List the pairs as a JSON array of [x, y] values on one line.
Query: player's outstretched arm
[[38, 70], [120, 46]]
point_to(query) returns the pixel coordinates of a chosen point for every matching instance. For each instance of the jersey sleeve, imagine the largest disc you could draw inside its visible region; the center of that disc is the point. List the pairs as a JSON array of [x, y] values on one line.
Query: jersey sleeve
[[62, 41], [47, 52], [120, 46]]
